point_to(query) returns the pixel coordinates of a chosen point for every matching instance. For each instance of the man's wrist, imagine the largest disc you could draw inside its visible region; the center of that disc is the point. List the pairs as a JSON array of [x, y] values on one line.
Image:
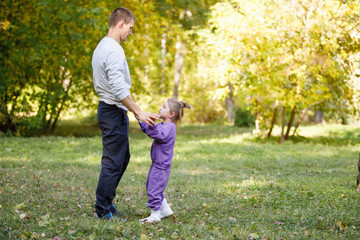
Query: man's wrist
[[129, 103], [136, 111]]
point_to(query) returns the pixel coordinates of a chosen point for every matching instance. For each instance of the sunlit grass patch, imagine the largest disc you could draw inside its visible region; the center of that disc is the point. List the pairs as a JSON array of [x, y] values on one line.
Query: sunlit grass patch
[[329, 134]]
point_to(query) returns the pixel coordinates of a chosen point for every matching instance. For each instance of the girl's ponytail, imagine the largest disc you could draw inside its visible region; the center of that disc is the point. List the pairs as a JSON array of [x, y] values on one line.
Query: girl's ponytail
[[184, 104], [178, 108]]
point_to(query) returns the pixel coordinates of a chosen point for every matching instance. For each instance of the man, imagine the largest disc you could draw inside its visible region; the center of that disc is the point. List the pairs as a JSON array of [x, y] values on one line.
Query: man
[[112, 83]]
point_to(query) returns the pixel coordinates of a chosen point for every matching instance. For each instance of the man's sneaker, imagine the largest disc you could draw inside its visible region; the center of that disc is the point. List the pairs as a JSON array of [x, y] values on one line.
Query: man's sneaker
[[109, 216], [115, 212]]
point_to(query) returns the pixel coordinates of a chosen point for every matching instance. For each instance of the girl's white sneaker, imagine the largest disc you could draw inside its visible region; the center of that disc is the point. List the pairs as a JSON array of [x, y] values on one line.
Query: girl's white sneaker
[[165, 209], [155, 216]]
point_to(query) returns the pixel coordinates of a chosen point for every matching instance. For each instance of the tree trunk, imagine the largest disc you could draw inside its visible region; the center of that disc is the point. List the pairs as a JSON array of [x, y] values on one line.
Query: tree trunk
[[49, 121], [283, 113], [163, 62], [318, 117], [273, 119], [303, 112], [292, 117], [230, 105], [257, 122], [179, 62], [7, 122], [146, 54], [53, 126]]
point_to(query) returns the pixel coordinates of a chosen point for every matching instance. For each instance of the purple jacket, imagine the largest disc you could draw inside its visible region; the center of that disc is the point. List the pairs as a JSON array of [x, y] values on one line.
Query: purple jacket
[[162, 149]]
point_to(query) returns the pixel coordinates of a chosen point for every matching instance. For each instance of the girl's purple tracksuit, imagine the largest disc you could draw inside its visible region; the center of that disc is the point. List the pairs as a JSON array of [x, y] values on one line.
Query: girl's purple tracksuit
[[162, 152]]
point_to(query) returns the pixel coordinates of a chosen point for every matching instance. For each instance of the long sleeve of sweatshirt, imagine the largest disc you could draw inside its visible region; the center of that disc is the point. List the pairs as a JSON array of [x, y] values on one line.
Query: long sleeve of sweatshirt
[[162, 149]]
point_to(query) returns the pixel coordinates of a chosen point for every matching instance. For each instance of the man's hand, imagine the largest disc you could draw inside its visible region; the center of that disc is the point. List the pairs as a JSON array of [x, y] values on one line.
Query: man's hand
[[146, 117], [140, 115]]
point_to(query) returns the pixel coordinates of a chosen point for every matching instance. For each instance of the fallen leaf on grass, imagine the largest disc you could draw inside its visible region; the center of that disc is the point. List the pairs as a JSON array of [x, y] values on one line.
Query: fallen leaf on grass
[[342, 226], [175, 235], [232, 219], [20, 205], [143, 237], [253, 236], [45, 220]]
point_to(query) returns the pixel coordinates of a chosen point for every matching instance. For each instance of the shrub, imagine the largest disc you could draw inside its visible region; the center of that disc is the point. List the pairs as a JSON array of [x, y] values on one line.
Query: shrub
[[31, 126], [243, 118]]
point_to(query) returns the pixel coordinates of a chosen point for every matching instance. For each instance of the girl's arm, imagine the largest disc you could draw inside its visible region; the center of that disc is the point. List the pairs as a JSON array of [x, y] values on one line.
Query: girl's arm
[[144, 127], [159, 132]]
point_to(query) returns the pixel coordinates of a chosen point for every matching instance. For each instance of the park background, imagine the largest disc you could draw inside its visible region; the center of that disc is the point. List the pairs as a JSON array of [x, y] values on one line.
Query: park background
[[269, 150]]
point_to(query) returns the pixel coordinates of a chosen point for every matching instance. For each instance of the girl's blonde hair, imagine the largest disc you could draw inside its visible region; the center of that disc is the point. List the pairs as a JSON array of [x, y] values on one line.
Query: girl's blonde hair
[[178, 108]]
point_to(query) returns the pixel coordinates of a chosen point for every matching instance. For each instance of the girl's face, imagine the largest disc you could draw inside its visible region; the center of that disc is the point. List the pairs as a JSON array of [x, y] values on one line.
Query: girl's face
[[164, 112]]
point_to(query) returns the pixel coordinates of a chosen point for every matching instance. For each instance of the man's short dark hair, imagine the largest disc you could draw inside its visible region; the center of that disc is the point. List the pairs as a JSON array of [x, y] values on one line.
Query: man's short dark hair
[[119, 14]]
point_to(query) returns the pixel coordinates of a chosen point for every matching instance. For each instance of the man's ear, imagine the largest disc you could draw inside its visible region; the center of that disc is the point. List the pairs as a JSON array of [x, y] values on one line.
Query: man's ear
[[121, 24]]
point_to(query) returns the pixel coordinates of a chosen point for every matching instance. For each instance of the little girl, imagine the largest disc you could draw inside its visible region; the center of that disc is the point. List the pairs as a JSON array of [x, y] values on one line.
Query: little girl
[[162, 152]]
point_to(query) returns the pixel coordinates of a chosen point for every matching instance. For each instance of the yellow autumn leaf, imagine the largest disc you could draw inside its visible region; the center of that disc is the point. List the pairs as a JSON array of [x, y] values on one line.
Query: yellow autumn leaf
[[253, 236], [342, 226], [143, 237], [20, 205]]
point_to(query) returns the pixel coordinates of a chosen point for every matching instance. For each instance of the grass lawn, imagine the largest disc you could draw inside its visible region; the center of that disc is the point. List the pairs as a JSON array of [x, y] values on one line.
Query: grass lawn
[[225, 184]]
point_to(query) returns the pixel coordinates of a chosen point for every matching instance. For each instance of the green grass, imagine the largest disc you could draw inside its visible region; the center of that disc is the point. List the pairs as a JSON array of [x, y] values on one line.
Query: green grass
[[225, 184]]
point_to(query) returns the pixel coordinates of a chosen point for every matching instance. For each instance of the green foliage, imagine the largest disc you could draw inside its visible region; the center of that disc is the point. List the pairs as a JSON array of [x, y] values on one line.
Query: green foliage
[[273, 53], [47, 47], [223, 185], [30, 126], [243, 118], [46, 59], [287, 53]]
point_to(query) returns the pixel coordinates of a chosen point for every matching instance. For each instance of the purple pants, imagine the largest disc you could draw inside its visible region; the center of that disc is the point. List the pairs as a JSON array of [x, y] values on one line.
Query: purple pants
[[155, 186]]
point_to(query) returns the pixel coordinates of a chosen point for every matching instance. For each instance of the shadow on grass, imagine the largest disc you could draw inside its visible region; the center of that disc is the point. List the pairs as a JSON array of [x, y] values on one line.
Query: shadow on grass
[[86, 129], [333, 138], [91, 128]]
